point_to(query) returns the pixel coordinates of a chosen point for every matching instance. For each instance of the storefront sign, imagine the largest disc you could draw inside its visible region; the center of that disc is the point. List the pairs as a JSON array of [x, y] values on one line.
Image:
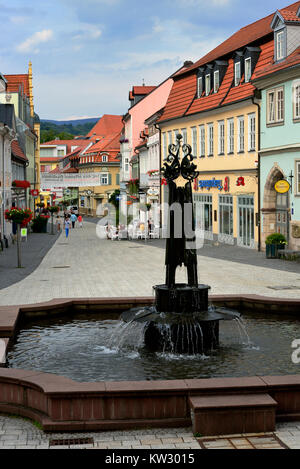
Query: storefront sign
[[34, 192], [226, 184], [23, 232], [210, 184], [282, 186], [54, 181], [240, 181]]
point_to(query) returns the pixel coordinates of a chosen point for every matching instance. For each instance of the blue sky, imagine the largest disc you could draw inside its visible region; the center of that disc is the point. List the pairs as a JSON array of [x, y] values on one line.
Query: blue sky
[[87, 54]]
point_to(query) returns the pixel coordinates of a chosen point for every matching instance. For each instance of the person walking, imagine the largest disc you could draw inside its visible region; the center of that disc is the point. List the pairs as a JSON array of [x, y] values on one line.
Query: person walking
[[58, 223], [67, 226], [73, 219], [80, 220]]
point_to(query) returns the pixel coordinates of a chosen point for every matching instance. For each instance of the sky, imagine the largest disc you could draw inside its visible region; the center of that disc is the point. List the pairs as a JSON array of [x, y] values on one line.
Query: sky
[[87, 54]]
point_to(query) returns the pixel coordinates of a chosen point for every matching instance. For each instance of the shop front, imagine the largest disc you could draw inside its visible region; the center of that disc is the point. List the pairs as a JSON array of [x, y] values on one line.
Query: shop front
[[226, 208]]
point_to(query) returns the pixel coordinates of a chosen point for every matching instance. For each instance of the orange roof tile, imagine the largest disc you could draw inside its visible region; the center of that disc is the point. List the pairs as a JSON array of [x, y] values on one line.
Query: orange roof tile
[[181, 95], [17, 150], [142, 90], [271, 67], [289, 16], [16, 83], [106, 125], [245, 36]]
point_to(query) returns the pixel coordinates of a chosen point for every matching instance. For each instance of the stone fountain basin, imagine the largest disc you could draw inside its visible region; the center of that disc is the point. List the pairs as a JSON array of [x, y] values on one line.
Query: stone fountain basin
[[61, 404]]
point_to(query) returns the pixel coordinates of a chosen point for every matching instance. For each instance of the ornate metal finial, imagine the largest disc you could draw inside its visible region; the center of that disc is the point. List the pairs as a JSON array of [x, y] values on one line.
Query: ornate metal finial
[[173, 168]]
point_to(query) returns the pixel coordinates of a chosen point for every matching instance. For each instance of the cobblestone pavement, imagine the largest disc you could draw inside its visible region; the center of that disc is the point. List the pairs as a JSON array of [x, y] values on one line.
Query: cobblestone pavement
[[18, 433], [86, 266]]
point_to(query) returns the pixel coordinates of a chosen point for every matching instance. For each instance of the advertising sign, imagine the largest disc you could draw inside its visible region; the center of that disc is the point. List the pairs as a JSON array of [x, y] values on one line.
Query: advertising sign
[[282, 186]]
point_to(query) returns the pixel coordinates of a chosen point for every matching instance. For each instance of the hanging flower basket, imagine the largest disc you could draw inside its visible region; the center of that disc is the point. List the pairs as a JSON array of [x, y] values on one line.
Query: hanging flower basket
[[21, 184], [133, 186], [19, 215], [53, 209]]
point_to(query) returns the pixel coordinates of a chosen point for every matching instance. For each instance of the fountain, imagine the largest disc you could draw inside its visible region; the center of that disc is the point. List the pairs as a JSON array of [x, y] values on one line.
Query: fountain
[[181, 320]]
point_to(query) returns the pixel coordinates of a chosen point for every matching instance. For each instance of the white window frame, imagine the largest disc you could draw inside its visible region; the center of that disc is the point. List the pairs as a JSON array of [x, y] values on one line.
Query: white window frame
[[230, 135], [103, 177], [210, 133], [170, 137], [165, 148], [199, 86], [216, 81], [298, 177], [241, 134], [296, 101], [194, 138], [202, 140], [248, 73], [207, 84], [252, 132], [280, 53], [221, 137], [104, 158], [184, 135], [237, 75], [275, 106]]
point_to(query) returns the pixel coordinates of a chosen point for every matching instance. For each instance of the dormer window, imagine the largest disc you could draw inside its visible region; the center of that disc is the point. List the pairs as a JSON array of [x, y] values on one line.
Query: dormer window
[[104, 158], [237, 73], [248, 72], [199, 86], [207, 85], [280, 45], [216, 81]]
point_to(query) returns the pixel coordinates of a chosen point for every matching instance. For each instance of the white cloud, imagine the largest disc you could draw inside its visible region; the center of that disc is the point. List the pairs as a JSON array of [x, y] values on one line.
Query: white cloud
[[37, 38], [88, 31]]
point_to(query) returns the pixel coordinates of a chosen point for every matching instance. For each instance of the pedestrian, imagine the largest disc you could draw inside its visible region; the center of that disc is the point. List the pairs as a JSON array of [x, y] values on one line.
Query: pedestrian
[[73, 219], [80, 220], [67, 226], [58, 223]]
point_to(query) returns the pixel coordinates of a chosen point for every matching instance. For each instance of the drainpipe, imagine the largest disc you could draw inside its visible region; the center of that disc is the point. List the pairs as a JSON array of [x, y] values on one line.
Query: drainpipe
[[2, 188], [258, 96]]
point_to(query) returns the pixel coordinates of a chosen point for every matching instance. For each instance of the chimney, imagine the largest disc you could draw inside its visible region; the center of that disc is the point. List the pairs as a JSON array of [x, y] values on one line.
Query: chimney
[[188, 63]]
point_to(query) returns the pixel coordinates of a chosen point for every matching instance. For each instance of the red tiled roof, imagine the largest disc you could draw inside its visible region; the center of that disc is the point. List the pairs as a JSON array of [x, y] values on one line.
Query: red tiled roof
[[181, 95], [106, 125], [15, 82], [183, 100], [289, 16], [142, 90], [70, 170], [17, 150], [271, 67], [242, 38], [50, 159]]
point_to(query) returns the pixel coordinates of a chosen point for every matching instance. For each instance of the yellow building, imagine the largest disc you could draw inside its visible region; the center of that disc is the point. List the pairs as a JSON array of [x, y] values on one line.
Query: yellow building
[[215, 107], [103, 158]]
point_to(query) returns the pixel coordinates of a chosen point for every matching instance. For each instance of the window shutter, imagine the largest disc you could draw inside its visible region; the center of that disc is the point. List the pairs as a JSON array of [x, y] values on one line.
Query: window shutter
[[118, 179], [109, 179]]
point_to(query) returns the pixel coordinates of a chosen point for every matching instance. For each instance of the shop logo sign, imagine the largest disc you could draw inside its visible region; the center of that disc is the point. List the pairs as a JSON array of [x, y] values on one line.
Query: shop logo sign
[[240, 181], [210, 184]]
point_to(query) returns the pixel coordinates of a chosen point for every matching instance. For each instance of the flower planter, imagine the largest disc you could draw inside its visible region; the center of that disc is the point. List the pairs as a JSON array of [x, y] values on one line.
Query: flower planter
[[272, 251]]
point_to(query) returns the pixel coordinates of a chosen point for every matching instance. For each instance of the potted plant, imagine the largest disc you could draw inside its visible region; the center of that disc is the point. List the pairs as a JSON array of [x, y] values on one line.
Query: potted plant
[[274, 243], [53, 209], [21, 217], [39, 224]]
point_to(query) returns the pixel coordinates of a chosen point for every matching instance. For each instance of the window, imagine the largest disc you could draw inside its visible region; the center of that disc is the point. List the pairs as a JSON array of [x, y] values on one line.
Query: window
[[126, 165], [165, 150], [216, 81], [204, 214], [226, 215], [194, 141], [237, 73], [298, 176], [248, 69], [104, 179], [199, 86], [60, 152], [202, 140], [230, 130], [104, 159], [184, 135], [211, 139], [296, 101], [275, 106], [241, 134], [221, 149], [280, 53], [251, 132], [169, 138], [207, 85]]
